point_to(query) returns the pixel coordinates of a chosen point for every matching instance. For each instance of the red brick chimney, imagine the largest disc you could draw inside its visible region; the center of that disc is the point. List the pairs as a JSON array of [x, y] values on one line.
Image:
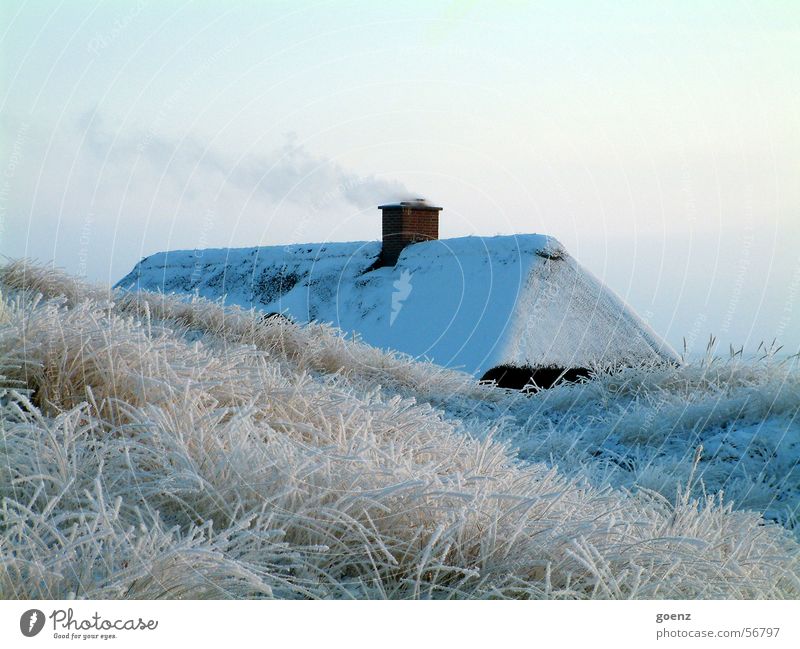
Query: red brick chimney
[[405, 223]]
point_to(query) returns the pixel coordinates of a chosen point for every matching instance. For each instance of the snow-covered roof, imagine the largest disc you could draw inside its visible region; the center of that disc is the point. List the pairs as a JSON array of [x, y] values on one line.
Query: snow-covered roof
[[472, 303]]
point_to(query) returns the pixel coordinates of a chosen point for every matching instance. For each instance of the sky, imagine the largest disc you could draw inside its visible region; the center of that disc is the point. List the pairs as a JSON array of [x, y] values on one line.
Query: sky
[[659, 142]]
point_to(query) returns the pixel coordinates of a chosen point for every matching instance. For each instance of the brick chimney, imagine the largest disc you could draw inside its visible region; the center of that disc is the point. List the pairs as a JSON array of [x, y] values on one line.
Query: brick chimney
[[405, 223]]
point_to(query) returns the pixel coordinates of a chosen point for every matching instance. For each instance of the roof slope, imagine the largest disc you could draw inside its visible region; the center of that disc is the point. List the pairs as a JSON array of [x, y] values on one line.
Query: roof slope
[[472, 302]]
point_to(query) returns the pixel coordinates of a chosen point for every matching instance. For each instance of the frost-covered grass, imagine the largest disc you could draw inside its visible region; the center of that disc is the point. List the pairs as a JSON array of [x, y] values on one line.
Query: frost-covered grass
[[641, 427], [153, 447]]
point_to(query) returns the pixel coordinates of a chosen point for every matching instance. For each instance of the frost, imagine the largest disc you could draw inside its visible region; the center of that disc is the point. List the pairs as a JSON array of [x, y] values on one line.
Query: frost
[[152, 446]]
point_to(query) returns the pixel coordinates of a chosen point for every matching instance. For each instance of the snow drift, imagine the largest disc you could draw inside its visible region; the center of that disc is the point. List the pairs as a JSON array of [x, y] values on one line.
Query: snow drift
[[471, 303], [158, 447]]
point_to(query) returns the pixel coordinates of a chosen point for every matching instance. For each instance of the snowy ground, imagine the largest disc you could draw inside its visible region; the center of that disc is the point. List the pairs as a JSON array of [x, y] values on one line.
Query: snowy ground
[[643, 428], [153, 447], [637, 428]]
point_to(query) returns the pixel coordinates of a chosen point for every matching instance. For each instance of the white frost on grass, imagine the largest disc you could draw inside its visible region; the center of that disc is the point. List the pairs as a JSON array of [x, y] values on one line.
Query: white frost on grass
[[642, 427], [152, 447]]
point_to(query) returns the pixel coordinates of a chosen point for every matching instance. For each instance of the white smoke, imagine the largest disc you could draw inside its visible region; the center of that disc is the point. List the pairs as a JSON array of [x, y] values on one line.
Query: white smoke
[[289, 172]]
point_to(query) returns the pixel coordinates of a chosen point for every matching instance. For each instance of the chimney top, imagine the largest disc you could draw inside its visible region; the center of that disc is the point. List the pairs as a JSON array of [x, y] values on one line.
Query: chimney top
[[416, 204]]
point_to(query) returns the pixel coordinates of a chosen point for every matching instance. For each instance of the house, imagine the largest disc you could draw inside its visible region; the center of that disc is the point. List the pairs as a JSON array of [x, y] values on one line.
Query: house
[[474, 303]]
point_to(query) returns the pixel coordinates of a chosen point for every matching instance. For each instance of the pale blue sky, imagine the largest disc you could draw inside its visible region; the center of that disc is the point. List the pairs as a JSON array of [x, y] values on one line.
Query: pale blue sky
[[660, 142]]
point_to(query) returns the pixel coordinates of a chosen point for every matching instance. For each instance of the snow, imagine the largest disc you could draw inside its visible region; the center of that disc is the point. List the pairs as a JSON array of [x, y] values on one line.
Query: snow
[[156, 446], [642, 428], [471, 303]]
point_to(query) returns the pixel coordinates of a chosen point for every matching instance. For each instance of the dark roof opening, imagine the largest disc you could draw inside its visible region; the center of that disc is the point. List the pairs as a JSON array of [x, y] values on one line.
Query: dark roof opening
[[529, 378]]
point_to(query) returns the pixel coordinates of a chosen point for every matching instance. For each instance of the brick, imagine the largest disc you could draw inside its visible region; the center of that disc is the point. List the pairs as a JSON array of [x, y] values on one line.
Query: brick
[[404, 226]]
